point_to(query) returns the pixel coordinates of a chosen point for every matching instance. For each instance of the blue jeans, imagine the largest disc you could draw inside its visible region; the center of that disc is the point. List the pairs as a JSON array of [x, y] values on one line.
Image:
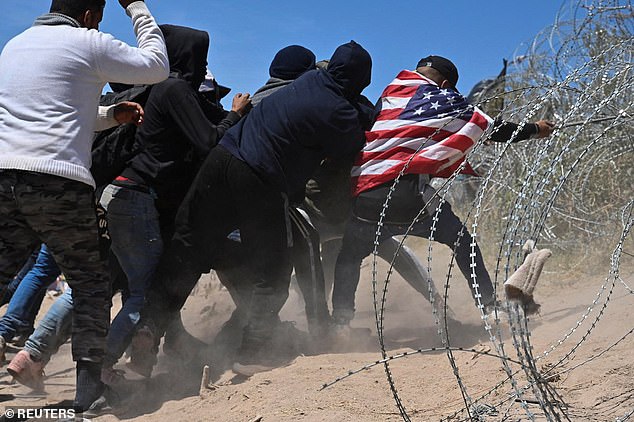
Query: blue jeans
[[358, 242], [28, 297], [53, 330], [134, 228], [9, 290]]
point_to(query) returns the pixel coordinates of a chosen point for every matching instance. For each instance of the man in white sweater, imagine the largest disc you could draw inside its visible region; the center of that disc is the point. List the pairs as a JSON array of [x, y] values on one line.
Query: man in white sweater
[[51, 76]]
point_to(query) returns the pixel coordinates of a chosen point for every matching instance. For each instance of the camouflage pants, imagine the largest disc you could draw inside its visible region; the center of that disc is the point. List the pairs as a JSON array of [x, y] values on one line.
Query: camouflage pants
[[40, 208]]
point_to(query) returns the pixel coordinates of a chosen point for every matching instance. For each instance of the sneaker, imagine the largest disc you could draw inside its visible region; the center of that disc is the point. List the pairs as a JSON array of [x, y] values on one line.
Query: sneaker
[[26, 371], [20, 339], [109, 403], [289, 341], [143, 351]]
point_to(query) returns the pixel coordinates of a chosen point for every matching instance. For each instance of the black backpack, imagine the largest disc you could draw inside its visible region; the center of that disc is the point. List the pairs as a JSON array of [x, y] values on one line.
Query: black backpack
[[113, 148]]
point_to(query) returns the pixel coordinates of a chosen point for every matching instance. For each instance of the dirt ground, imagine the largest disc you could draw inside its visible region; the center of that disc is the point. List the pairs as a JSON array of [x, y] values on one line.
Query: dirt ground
[[595, 381]]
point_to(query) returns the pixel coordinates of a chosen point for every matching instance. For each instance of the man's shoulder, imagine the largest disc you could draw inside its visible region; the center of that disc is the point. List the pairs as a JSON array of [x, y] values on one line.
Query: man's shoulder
[[172, 86], [171, 90]]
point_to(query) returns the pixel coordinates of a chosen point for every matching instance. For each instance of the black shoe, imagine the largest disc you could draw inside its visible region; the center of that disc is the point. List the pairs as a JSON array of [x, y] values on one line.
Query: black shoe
[[258, 355], [288, 340], [109, 403]]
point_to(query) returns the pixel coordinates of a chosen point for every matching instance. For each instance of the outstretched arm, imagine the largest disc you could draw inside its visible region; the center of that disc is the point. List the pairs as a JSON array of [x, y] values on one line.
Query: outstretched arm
[[503, 130]]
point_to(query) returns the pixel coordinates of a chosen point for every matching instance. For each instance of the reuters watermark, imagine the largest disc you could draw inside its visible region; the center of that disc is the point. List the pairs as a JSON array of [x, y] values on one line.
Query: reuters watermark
[[40, 414]]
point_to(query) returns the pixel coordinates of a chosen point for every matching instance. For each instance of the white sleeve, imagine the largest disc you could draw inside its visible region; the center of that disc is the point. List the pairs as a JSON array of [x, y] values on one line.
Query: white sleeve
[[105, 118], [146, 64]]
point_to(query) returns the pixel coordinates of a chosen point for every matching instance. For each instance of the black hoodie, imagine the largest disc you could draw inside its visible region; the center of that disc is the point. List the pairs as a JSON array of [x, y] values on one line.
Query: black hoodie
[[175, 134], [291, 131]]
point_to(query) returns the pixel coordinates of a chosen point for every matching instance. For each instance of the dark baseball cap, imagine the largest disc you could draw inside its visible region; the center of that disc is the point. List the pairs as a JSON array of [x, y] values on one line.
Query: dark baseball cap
[[443, 65]]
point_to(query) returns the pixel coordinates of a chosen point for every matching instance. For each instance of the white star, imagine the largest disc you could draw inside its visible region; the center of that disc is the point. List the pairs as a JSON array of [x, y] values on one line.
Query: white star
[[435, 105], [444, 92], [419, 111], [451, 100], [427, 95]]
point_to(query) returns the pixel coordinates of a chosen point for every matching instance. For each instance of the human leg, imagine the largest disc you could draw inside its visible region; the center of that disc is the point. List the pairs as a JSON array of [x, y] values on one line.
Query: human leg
[[266, 238], [358, 243], [28, 297], [62, 212], [202, 224], [17, 238], [53, 330], [136, 242], [309, 272], [450, 231], [9, 290]]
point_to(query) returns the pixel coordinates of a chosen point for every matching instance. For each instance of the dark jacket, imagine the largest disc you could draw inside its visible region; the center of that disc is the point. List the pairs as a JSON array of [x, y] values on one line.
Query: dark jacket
[[176, 134], [290, 132]]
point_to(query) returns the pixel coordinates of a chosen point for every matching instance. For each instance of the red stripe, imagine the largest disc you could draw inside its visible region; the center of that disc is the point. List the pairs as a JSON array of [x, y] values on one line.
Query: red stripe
[[408, 132], [398, 152], [418, 165], [391, 114], [400, 91], [479, 120]]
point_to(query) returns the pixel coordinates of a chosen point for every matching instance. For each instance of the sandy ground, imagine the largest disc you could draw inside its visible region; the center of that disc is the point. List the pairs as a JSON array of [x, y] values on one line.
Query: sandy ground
[[596, 381]]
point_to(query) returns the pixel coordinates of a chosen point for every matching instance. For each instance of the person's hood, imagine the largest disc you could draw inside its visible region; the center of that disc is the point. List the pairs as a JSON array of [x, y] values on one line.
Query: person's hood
[[291, 62], [187, 50], [351, 66]]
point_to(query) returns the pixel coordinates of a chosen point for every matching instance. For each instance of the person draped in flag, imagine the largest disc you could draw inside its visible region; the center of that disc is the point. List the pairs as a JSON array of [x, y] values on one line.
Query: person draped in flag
[[424, 128]]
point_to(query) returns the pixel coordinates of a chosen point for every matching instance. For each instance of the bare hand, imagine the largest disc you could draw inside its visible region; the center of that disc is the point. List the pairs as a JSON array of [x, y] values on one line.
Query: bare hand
[[126, 3], [128, 112], [545, 127], [241, 104]]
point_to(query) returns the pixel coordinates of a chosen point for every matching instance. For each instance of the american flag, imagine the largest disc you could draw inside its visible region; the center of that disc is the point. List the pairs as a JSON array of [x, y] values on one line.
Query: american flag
[[433, 127]]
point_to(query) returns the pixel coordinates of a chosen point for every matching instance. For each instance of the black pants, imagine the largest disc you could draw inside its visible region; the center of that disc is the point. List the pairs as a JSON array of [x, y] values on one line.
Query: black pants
[[358, 243], [227, 195]]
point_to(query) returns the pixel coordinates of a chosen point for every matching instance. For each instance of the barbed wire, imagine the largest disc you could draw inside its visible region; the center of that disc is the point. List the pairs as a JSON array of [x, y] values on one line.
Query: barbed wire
[[573, 189]]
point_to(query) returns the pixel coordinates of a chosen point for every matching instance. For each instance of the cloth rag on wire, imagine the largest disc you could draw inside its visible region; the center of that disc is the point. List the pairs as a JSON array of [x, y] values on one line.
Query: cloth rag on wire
[[521, 284]]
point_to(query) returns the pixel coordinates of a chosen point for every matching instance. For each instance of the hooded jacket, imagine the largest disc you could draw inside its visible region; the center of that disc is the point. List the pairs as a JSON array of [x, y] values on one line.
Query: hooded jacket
[[176, 134], [290, 132]]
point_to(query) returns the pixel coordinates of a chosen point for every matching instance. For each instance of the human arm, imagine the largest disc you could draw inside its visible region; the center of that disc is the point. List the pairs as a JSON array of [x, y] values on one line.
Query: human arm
[[241, 104], [119, 114], [146, 64], [503, 131]]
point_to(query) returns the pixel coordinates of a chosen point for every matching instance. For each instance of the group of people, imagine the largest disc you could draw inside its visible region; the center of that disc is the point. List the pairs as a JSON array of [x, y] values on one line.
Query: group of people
[[251, 193]]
